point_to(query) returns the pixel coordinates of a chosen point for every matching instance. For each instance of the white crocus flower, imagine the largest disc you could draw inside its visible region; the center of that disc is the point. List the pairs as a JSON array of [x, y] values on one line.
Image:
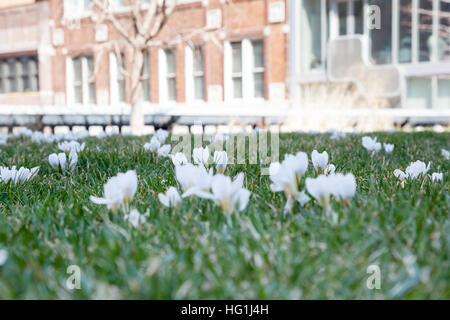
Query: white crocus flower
[[227, 194], [201, 156], [371, 144], [118, 190], [73, 159], [402, 176], [437, 176], [193, 178], [297, 163], [319, 160], [135, 218], [342, 187], [220, 160], [330, 169], [3, 256], [179, 159], [320, 189], [161, 135], [415, 169], [164, 151], [284, 179], [388, 147], [59, 161], [17, 176], [445, 154], [171, 199], [153, 145]]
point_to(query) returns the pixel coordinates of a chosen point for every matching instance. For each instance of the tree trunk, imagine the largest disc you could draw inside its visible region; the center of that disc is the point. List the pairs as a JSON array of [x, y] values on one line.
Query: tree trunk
[[137, 93]]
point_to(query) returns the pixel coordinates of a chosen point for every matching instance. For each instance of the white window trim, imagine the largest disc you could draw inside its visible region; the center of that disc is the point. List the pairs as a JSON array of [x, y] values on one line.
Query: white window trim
[[163, 77]]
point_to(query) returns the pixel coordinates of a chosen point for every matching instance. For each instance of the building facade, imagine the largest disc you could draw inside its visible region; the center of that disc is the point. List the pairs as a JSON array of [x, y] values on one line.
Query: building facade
[[412, 36], [227, 52], [208, 52]]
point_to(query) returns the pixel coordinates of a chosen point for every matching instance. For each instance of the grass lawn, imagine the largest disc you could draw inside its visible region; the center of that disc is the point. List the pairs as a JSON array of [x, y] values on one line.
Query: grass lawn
[[49, 223]]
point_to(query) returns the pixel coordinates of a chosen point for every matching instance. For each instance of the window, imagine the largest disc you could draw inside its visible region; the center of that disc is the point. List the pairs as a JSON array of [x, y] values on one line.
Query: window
[[312, 22], [77, 8], [381, 39], [425, 29], [342, 13], [418, 93], [145, 77], [258, 68], [359, 16], [83, 79], [444, 31], [198, 73], [405, 32], [121, 78], [443, 95], [244, 69], [171, 75], [118, 4], [236, 75], [19, 74]]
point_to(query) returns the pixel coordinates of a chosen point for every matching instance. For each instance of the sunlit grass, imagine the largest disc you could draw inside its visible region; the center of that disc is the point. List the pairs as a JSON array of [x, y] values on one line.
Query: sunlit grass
[[49, 223]]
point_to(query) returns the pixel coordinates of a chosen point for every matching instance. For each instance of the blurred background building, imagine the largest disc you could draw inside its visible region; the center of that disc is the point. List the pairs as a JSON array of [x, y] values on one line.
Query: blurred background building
[[236, 55]]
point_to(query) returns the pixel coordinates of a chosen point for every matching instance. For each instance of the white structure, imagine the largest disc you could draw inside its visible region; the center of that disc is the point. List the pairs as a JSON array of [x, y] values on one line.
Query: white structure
[[411, 36]]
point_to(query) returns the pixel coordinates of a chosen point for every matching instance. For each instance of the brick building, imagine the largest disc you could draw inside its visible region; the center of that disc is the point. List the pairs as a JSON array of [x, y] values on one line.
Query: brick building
[[59, 52]]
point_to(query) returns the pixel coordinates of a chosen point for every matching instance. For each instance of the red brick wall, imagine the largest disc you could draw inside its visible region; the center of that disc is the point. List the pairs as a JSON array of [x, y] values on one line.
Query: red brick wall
[[240, 19]]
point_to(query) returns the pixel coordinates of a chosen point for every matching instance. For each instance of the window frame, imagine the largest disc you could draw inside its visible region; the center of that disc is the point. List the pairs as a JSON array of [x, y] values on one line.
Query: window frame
[[87, 79], [14, 81]]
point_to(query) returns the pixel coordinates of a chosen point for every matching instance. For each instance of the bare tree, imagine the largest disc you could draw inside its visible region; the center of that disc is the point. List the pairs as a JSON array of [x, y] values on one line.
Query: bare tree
[[146, 25]]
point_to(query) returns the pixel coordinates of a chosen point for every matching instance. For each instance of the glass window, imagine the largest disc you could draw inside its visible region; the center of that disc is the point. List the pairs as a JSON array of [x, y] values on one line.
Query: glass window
[[121, 77], [443, 96], [145, 77], [342, 13], [311, 35], [12, 75], [405, 29], [198, 73], [418, 93], [258, 68], [444, 31], [359, 16], [83, 79], [381, 39], [236, 48], [425, 26], [171, 75]]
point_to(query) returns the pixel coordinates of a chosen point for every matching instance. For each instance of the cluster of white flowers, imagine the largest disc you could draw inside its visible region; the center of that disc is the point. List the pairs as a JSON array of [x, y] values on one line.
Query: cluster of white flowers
[[371, 144], [287, 176], [156, 144], [17, 176], [60, 162], [68, 146], [197, 180], [40, 137], [341, 187], [416, 170]]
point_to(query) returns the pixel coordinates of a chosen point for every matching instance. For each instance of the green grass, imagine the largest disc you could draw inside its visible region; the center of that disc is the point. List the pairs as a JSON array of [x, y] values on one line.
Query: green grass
[[49, 223]]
